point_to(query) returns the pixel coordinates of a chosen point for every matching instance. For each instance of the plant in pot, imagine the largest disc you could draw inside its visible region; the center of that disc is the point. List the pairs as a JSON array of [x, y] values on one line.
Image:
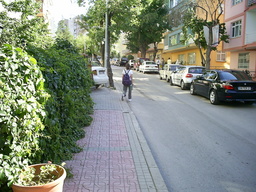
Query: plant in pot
[[44, 177]]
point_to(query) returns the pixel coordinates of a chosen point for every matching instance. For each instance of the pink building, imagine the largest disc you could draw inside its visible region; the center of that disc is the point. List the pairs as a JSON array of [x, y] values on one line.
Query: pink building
[[240, 19]]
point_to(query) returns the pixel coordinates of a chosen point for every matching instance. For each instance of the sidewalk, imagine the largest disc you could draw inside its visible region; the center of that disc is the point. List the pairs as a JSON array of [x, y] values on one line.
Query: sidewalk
[[116, 156]]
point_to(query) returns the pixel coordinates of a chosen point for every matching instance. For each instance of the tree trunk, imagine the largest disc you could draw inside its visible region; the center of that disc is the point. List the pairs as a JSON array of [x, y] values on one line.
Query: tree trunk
[[107, 64], [143, 51], [109, 69], [155, 50], [202, 56], [209, 50]]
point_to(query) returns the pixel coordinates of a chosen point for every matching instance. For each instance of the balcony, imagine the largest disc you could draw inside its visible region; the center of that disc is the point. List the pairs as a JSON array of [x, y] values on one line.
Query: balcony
[[250, 37]]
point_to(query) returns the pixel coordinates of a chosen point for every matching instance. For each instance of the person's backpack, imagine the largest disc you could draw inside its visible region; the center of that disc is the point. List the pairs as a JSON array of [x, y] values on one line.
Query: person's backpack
[[126, 79]]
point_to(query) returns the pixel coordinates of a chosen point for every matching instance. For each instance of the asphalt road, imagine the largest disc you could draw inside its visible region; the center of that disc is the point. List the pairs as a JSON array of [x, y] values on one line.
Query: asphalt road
[[199, 147]]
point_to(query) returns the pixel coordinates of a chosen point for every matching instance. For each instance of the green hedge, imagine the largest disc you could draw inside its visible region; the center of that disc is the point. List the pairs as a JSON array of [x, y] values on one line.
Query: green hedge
[[68, 81], [45, 103], [22, 100]]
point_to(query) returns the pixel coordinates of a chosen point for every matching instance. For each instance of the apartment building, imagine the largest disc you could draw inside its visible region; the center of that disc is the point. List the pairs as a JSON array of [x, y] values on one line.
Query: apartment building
[[188, 54], [240, 19]]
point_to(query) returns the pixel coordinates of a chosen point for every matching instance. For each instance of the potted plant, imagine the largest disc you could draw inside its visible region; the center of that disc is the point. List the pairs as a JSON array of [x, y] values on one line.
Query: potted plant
[[41, 178]]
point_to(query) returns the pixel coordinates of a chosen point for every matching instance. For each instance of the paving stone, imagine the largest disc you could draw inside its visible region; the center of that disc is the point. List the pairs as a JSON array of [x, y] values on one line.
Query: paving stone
[[115, 156]]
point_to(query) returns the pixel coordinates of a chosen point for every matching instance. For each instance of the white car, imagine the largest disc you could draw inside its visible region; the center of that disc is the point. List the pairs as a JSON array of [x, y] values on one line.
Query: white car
[[131, 62], [167, 71], [148, 66], [185, 74], [100, 76]]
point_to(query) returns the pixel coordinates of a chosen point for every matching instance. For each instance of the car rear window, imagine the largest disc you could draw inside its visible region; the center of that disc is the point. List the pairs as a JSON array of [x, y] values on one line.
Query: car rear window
[[234, 75], [196, 70], [148, 62], [173, 68]]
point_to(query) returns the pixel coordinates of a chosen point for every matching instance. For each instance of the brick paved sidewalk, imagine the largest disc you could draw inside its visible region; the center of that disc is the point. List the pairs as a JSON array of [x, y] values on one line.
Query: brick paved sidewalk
[[115, 156]]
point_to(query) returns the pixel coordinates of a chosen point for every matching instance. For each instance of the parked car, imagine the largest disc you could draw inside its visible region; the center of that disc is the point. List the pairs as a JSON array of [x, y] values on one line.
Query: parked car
[[131, 62], [99, 75], [184, 76], [167, 71], [225, 85], [123, 61], [139, 62], [148, 66]]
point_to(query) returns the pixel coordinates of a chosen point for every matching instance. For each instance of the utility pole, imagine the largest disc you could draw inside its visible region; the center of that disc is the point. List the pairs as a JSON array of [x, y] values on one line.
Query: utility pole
[[106, 38]]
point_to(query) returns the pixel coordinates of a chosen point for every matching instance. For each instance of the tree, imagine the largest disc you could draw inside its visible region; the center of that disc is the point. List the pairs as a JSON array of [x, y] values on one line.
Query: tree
[[63, 31], [148, 26], [20, 23], [119, 14], [194, 24]]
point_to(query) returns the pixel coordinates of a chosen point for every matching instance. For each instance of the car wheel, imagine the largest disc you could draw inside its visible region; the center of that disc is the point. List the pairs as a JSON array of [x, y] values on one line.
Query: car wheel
[[214, 97], [171, 83], [167, 80], [160, 77], [182, 85], [192, 90]]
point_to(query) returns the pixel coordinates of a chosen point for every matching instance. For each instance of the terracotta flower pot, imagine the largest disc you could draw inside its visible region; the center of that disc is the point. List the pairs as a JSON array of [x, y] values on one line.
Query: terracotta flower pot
[[55, 186]]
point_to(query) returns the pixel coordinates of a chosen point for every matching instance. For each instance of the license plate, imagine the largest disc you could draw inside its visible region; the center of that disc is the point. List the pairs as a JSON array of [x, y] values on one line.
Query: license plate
[[244, 88]]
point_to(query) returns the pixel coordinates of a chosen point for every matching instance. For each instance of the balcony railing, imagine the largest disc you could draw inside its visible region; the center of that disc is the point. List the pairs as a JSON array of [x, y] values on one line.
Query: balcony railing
[[251, 2]]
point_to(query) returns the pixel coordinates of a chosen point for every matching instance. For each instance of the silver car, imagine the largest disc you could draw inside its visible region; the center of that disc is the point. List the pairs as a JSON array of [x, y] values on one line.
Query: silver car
[[184, 75]]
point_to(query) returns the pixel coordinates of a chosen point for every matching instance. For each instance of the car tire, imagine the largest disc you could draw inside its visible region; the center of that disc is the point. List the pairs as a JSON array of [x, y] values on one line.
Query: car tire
[[192, 89], [171, 83], [160, 77], [167, 80], [213, 97], [182, 85]]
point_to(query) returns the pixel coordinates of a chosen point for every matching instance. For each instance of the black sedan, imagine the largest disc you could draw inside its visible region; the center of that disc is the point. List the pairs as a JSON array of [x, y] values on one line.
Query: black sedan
[[225, 85]]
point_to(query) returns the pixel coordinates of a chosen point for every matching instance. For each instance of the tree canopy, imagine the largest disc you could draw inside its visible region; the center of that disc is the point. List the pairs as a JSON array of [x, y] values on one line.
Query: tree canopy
[[148, 26], [201, 15], [21, 24]]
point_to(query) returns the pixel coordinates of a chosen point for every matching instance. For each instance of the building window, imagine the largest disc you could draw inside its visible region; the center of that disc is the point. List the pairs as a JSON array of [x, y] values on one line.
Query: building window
[[236, 28], [181, 59], [221, 56], [181, 38], [173, 40], [243, 60], [235, 2], [192, 58]]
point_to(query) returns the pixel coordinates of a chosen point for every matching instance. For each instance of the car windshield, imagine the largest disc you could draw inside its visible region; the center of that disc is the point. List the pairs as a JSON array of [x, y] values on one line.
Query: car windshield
[[96, 63], [234, 75], [196, 70]]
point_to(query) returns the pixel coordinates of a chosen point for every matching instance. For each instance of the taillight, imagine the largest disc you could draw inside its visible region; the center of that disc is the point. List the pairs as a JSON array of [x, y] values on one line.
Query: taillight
[[228, 86], [189, 75]]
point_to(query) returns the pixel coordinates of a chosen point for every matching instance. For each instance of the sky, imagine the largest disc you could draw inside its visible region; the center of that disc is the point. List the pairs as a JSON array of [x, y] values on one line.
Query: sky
[[67, 9], [64, 9]]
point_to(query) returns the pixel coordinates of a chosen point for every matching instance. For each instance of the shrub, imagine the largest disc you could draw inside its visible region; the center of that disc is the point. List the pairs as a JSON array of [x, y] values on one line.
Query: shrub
[[22, 100], [68, 81]]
